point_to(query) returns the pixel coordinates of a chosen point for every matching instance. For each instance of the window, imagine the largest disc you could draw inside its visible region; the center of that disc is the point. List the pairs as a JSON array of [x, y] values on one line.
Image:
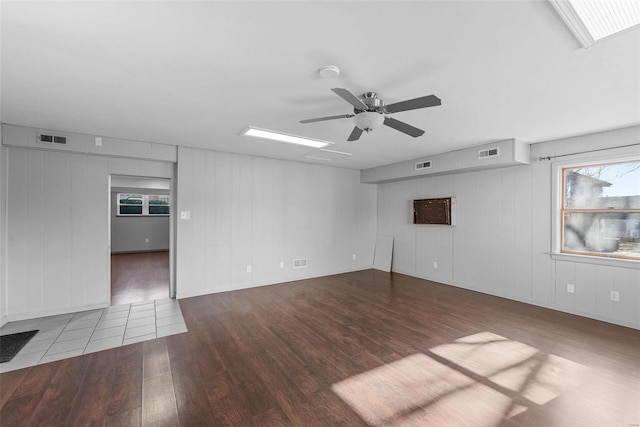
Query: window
[[158, 204], [600, 211], [143, 204]]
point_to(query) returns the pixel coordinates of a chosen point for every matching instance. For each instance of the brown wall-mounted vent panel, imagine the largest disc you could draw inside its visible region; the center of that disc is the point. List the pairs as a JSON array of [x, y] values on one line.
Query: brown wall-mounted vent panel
[[432, 211]]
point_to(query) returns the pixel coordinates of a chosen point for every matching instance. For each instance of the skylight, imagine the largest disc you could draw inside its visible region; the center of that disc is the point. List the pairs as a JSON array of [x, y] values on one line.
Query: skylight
[[592, 20]]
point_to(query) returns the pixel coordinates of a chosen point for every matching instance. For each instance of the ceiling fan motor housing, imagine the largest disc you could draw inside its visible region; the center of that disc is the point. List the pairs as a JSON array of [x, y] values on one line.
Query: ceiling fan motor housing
[[371, 100]]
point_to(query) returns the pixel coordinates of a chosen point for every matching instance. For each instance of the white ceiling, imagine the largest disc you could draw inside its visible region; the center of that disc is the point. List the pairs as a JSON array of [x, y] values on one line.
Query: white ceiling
[[197, 73]]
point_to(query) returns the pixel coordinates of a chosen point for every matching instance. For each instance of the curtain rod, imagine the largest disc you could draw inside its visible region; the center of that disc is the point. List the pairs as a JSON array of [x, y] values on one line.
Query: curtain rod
[[584, 152]]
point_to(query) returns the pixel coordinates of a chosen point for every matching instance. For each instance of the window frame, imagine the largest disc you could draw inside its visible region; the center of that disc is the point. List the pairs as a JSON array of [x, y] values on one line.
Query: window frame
[[145, 205], [558, 210]]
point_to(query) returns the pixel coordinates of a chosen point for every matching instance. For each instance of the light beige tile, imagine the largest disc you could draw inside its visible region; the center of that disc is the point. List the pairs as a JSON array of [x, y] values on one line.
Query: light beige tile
[[36, 346], [87, 315], [47, 335], [142, 307], [60, 356], [141, 314], [100, 334], [141, 330], [74, 334], [111, 323], [114, 315], [104, 344], [90, 323], [66, 346], [168, 313], [135, 323], [117, 308]]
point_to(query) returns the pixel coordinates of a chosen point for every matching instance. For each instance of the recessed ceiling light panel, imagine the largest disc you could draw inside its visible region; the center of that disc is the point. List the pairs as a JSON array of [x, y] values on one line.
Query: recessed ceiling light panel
[[283, 137]]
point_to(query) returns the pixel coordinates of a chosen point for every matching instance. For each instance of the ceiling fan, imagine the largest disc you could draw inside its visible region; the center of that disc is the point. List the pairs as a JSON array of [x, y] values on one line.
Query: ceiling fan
[[369, 112]]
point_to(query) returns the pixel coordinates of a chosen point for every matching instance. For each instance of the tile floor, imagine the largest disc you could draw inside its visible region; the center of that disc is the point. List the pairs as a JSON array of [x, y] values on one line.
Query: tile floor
[[69, 335]]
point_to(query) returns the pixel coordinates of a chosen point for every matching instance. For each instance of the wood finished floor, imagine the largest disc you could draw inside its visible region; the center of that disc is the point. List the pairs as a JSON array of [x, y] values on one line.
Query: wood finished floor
[[365, 348], [139, 277]]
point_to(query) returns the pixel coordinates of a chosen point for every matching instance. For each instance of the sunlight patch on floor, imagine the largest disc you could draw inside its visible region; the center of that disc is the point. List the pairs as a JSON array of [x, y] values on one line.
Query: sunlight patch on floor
[[478, 380]]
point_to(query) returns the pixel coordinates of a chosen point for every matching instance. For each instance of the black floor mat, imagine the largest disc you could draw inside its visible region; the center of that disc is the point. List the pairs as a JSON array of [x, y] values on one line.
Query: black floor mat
[[11, 344]]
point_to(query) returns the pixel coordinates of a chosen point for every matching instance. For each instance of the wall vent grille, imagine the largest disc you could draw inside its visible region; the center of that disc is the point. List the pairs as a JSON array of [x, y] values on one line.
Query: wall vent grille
[[423, 165], [489, 152], [55, 139], [300, 263]]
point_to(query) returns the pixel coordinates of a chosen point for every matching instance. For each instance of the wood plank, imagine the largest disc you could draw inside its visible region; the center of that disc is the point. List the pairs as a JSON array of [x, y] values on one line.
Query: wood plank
[[126, 390], [93, 395], [10, 382], [272, 355], [58, 400], [159, 401]]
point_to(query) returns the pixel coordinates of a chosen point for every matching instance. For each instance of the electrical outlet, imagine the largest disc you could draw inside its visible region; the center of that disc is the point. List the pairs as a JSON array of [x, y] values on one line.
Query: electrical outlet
[[614, 296], [570, 288], [248, 269], [146, 240], [435, 264], [281, 264], [353, 257], [185, 215]]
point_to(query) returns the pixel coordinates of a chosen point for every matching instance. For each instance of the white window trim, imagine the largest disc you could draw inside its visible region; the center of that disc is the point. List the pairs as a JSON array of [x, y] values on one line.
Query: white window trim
[[556, 204], [145, 206]]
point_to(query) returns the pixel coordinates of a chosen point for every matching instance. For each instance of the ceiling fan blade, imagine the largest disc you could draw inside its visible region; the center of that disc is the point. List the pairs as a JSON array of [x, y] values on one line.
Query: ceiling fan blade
[[403, 127], [320, 119], [355, 134], [413, 104], [350, 98]]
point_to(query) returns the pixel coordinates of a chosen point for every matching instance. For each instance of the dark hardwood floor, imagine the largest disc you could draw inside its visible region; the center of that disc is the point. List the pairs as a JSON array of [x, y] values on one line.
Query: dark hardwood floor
[[138, 277], [365, 348]]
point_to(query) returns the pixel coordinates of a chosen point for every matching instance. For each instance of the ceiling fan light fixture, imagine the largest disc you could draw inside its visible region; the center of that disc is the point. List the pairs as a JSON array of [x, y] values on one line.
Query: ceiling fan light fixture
[[368, 120]]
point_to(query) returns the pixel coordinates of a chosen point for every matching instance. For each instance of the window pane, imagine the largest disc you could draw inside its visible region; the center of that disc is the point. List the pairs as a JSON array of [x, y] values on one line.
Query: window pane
[[130, 210], [605, 233], [130, 199], [159, 200], [612, 186], [158, 210]]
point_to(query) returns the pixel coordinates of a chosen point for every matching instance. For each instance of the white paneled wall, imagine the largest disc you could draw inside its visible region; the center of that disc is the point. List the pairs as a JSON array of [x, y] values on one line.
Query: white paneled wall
[[57, 220], [502, 238], [259, 212]]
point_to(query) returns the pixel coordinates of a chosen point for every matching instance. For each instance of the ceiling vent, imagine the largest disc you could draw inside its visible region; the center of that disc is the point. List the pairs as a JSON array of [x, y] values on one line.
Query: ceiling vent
[[423, 165], [489, 152], [300, 263], [55, 139]]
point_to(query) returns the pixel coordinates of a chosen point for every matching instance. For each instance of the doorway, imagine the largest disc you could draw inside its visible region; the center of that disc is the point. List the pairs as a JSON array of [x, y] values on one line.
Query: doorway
[[141, 239]]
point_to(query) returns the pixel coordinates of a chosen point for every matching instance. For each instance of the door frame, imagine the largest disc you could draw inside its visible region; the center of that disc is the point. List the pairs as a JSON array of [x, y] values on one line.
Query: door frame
[[172, 227]]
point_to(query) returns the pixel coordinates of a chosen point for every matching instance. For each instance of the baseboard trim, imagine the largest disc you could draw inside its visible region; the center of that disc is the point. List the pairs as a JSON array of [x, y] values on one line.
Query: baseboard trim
[[542, 304], [182, 295], [138, 252]]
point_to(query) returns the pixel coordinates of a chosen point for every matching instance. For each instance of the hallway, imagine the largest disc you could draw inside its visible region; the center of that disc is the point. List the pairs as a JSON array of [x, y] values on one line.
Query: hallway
[[138, 277]]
